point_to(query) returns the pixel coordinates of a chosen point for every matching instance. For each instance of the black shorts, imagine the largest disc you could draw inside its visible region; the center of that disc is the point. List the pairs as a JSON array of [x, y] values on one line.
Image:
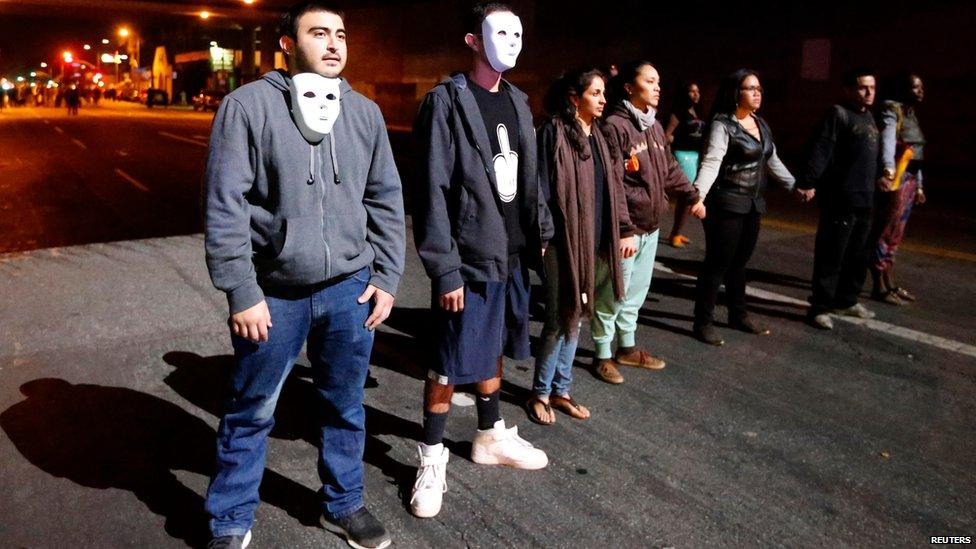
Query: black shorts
[[494, 321]]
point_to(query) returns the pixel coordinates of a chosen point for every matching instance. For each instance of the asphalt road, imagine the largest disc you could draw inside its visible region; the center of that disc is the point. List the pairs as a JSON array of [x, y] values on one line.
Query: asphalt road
[[112, 356]]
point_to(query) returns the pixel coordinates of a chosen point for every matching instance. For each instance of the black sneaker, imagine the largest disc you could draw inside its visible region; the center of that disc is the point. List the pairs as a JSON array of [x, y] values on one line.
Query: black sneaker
[[230, 542], [361, 529], [706, 334]]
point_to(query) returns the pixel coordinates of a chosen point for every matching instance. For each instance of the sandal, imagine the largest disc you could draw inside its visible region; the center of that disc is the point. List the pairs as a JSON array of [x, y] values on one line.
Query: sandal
[[902, 293], [889, 297], [531, 409], [569, 406]]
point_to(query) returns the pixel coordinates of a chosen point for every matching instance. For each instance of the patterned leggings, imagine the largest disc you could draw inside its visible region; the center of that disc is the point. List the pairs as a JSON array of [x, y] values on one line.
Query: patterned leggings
[[891, 217]]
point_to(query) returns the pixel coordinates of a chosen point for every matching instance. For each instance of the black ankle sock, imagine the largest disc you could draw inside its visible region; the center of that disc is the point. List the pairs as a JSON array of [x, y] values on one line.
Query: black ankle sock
[[488, 412], [434, 426]]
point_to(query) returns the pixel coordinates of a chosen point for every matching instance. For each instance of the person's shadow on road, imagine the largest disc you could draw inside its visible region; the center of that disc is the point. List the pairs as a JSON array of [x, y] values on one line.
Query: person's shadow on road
[[113, 437]]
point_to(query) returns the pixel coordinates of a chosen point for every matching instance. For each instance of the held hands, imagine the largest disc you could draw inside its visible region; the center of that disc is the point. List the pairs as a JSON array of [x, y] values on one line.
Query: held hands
[[453, 302], [698, 210], [252, 323], [805, 195], [885, 183], [628, 247], [382, 305]]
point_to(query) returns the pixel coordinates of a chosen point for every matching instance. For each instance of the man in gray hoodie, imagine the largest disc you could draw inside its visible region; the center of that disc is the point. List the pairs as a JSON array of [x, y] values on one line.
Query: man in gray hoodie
[[301, 243]]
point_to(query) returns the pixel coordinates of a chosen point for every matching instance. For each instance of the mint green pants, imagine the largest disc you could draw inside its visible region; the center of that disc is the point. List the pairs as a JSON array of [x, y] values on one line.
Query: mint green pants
[[612, 318]]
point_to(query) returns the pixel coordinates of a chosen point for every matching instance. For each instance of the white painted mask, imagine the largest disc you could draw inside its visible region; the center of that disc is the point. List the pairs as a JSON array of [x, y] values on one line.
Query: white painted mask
[[501, 34], [314, 104]]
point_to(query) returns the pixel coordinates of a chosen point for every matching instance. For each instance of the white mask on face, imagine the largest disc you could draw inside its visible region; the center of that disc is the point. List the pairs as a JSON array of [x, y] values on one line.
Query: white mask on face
[[314, 104], [501, 34]]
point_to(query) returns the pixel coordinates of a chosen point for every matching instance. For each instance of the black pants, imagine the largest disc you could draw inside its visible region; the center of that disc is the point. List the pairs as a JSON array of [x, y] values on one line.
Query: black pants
[[839, 258], [730, 239]]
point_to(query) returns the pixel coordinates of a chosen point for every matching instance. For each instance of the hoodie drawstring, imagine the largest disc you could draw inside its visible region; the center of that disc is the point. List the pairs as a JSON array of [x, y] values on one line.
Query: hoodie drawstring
[[335, 161], [311, 164]]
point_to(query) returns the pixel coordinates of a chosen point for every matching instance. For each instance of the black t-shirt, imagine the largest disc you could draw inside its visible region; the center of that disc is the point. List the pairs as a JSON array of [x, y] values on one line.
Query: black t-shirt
[[843, 161], [601, 196], [689, 134], [501, 122]]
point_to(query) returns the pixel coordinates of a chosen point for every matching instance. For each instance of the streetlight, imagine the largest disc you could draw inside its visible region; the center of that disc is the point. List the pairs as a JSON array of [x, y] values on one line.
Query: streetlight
[[43, 65], [86, 47], [104, 41], [124, 32], [204, 15]]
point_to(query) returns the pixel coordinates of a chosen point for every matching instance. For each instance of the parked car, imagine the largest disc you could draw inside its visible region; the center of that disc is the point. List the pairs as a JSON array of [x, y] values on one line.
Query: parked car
[[208, 100]]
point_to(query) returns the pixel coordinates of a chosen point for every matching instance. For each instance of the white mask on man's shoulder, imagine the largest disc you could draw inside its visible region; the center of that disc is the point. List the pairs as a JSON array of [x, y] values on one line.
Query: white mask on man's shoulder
[[314, 104], [501, 34]]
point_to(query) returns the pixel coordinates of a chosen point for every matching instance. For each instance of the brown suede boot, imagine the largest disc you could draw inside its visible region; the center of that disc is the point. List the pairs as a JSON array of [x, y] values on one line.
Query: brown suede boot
[[638, 358], [606, 370]]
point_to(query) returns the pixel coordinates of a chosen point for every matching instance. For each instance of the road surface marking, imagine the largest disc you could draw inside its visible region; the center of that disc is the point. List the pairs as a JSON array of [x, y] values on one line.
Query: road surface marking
[[130, 179], [79, 143], [877, 325], [57, 129], [184, 139], [919, 248]]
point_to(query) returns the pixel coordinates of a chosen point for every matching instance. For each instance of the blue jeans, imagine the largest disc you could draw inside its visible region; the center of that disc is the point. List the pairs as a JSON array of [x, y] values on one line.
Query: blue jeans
[[339, 346], [554, 361]]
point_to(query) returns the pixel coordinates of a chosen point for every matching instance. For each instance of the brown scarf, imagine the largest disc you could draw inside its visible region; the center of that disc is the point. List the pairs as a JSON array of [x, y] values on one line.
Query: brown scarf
[[574, 178]]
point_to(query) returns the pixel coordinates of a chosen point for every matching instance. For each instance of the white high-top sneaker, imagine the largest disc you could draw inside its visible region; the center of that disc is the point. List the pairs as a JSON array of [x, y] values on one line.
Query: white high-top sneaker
[[501, 446], [431, 483]]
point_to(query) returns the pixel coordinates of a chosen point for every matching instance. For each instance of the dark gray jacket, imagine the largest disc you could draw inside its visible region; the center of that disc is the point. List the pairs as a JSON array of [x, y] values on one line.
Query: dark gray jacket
[[281, 212], [458, 224]]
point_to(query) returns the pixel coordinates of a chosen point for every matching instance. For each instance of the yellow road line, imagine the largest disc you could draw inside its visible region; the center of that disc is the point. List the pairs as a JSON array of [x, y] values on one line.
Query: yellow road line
[[803, 228]]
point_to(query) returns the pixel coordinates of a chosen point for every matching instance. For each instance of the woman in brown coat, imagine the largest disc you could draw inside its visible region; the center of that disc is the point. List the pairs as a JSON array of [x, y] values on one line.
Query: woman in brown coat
[[581, 179]]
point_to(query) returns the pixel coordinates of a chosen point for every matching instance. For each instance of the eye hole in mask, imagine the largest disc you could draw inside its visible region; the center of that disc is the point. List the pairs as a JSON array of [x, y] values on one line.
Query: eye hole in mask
[[331, 97], [309, 94]]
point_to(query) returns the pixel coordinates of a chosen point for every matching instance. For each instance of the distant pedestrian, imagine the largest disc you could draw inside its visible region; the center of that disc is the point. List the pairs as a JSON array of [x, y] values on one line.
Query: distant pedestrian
[[304, 229], [581, 180], [739, 157], [686, 133], [72, 99], [900, 186], [842, 168], [478, 225]]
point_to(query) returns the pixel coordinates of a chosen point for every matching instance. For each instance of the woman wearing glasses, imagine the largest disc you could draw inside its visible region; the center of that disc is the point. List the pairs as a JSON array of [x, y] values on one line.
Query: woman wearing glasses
[[739, 156]]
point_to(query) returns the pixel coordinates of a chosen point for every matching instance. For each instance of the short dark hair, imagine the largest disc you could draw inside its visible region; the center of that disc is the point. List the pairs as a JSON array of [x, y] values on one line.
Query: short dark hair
[[478, 12], [289, 20], [850, 76]]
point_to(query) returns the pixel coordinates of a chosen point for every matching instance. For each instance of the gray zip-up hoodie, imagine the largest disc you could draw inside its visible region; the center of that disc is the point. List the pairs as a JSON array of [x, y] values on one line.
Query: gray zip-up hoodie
[[281, 212]]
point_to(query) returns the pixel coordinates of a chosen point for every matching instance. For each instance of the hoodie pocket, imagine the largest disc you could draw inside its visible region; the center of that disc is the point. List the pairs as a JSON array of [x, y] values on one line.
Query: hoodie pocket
[[346, 236], [303, 257]]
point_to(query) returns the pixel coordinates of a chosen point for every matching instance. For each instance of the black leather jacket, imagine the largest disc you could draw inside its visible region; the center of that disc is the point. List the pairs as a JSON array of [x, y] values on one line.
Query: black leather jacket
[[742, 177]]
